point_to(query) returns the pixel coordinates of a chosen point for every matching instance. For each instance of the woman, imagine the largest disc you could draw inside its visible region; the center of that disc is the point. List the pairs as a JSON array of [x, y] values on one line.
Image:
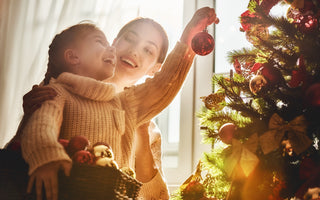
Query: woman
[[141, 47]]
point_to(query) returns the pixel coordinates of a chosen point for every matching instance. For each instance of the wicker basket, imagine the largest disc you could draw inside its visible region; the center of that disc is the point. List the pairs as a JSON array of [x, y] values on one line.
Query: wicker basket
[[97, 183], [86, 182]]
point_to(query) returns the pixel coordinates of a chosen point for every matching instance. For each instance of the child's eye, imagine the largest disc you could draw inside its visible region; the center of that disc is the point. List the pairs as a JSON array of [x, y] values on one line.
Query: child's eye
[[101, 42], [104, 43], [128, 38]]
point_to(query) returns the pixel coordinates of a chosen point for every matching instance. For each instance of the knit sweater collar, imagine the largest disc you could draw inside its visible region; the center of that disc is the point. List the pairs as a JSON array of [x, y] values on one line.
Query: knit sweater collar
[[87, 87]]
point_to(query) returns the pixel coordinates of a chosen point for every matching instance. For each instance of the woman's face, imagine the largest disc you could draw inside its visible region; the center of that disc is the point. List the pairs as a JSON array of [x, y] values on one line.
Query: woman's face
[[137, 52]]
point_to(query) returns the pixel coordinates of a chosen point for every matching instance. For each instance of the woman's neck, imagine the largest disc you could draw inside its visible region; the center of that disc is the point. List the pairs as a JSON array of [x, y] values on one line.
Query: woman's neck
[[119, 83]]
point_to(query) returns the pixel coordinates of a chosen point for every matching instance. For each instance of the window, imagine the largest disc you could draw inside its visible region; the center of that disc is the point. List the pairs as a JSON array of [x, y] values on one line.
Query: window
[[181, 138]]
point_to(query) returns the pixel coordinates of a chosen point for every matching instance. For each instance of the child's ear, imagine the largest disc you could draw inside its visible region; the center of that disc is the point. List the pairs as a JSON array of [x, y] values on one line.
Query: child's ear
[[154, 69], [71, 57]]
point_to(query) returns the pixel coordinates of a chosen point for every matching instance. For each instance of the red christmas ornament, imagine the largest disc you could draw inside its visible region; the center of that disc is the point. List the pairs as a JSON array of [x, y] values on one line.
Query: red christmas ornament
[[244, 18], [237, 66], [256, 67], [272, 75], [202, 43], [299, 77], [313, 95], [64, 143], [83, 157], [77, 143], [226, 132]]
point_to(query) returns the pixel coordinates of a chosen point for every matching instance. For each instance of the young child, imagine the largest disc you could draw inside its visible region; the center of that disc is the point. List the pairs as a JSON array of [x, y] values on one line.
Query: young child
[[90, 108], [79, 52]]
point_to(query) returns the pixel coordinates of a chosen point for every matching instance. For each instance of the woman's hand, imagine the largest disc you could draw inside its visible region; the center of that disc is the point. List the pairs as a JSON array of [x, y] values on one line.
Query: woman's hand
[[34, 98], [47, 176], [144, 164], [200, 20]]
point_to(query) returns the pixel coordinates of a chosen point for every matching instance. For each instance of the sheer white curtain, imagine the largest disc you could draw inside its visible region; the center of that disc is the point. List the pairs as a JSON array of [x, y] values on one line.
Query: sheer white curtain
[[26, 30]]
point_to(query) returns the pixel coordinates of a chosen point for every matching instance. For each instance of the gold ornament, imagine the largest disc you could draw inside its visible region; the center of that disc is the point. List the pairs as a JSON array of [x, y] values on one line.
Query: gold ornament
[[128, 171], [214, 100], [104, 161], [257, 83], [256, 33], [295, 129]]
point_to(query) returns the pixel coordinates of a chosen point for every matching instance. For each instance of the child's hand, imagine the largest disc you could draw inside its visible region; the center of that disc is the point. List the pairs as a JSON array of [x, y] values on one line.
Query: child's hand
[[200, 20], [47, 175]]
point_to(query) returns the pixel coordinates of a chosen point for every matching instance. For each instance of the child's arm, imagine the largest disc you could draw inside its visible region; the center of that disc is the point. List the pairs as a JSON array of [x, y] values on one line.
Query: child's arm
[[41, 149], [145, 101]]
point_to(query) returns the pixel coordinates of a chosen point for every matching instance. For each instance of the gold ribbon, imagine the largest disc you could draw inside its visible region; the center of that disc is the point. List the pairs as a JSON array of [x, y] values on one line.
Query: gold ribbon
[[296, 130], [242, 156], [196, 176]]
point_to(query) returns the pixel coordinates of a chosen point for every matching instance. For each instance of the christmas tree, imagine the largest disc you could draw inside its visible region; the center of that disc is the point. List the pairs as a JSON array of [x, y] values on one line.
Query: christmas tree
[[262, 120]]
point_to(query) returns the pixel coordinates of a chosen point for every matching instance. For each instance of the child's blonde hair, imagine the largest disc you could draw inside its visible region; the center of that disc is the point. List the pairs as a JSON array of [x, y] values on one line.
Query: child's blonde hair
[[63, 40]]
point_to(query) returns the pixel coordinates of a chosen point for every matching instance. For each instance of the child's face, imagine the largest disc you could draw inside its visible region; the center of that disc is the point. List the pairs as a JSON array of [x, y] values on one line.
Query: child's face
[[138, 50], [97, 59]]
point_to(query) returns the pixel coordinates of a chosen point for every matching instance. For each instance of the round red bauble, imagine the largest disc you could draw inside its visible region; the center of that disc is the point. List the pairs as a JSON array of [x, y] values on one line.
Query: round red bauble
[[83, 157], [64, 143], [77, 143], [202, 43], [313, 95], [272, 74], [226, 132]]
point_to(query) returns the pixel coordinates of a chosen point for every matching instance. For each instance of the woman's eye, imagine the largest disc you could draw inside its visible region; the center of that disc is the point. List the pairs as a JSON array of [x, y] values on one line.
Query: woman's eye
[[148, 51]]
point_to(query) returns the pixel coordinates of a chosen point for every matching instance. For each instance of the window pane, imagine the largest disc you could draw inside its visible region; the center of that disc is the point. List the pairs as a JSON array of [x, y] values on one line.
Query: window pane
[[228, 37]]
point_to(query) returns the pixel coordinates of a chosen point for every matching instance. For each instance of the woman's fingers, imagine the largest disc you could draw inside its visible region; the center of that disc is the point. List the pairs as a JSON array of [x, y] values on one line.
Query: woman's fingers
[[33, 99]]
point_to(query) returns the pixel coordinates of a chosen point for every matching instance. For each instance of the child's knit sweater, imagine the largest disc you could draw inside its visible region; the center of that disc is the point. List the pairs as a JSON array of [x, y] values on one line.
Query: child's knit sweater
[[87, 107]]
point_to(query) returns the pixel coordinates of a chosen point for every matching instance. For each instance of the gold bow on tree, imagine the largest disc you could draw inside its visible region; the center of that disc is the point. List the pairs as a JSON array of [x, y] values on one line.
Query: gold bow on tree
[[296, 133], [242, 156]]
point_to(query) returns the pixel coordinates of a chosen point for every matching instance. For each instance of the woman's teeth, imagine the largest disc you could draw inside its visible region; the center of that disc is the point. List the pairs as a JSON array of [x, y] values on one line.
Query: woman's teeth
[[129, 62]]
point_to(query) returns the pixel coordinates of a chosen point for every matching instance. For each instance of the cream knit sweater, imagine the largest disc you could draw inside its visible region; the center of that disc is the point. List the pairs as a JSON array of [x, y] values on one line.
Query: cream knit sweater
[[87, 107]]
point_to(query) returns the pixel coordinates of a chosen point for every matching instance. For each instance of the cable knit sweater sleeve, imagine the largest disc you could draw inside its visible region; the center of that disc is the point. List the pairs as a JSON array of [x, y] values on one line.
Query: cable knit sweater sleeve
[[144, 101], [39, 140], [156, 188]]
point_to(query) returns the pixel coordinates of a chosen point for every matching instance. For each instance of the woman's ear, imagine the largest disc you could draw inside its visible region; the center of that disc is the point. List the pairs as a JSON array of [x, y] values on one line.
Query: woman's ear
[[71, 57], [154, 69]]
